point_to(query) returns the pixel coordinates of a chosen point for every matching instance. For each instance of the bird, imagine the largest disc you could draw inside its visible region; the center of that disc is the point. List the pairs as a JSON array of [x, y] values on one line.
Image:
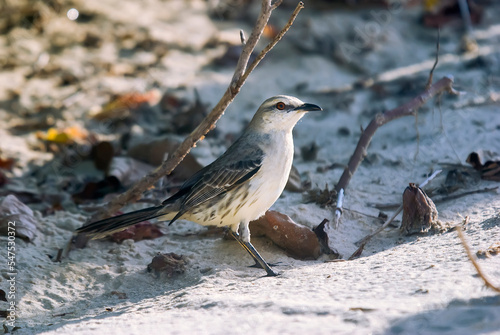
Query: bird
[[238, 187]]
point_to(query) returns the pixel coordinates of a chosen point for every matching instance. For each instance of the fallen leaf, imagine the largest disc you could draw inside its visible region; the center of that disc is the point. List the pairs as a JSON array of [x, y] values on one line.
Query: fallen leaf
[[96, 190], [138, 232], [64, 136], [490, 170], [298, 241], [7, 163], [123, 104]]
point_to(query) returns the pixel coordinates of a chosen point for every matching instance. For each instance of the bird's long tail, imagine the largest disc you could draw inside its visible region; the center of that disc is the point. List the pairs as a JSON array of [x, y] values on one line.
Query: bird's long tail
[[117, 223]]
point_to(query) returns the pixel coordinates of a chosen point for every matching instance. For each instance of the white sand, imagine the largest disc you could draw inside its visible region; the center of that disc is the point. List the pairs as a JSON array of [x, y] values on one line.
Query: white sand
[[400, 285]]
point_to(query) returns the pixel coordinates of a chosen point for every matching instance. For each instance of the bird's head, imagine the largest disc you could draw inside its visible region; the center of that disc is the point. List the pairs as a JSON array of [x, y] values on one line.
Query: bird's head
[[281, 112]]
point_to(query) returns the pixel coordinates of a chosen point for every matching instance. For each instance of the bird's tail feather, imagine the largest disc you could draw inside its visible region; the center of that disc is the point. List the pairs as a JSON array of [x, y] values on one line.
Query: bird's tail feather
[[117, 223]]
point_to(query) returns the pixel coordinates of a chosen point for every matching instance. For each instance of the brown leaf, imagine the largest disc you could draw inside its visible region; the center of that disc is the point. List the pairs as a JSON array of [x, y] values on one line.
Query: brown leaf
[[7, 163], [138, 232], [123, 104], [93, 190], [298, 241], [490, 170]]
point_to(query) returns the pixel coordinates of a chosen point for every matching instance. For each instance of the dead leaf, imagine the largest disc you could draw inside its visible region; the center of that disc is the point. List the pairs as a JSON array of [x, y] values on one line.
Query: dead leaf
[[121, 106], [7, 163], [97, 190], [64, 136], [490, 170], [17, 217], [298, 241], [138, 232]]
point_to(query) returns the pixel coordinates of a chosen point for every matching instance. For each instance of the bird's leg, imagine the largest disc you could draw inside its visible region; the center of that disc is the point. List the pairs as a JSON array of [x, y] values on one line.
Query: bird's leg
[[255, 255]]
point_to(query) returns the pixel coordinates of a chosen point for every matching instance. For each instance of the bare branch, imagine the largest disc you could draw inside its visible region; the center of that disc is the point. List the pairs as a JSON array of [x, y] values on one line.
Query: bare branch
[[276, 39], [408, 109]]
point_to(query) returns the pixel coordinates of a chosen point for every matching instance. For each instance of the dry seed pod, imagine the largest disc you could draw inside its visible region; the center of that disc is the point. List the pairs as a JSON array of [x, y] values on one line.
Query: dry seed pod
[[419, 212]]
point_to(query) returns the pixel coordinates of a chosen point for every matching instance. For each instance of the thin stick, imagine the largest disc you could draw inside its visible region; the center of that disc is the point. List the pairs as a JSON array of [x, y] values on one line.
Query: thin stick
[[480, 272], [429, 81], [239, 78]]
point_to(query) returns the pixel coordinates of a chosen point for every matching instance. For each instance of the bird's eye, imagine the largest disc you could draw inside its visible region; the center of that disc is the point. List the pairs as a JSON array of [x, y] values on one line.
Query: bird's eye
[[280, 105]]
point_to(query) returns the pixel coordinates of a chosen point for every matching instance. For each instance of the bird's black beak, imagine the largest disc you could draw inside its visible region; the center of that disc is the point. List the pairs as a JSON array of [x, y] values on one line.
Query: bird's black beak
[[307, 107]]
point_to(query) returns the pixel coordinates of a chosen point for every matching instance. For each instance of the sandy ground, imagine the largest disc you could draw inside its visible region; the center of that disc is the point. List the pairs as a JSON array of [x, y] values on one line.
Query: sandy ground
[[400, 285]]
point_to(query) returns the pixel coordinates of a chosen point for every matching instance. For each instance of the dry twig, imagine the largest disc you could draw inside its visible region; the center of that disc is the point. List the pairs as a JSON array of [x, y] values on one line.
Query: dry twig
[[472, 258], [241, 73]]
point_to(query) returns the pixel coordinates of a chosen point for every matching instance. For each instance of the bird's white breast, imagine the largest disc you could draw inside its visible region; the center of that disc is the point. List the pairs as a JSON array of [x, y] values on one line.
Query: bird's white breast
[[269, 182]]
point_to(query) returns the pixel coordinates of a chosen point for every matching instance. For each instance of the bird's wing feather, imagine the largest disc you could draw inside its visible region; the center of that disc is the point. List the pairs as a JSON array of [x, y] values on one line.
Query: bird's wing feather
[[218, 181], [237, 165]]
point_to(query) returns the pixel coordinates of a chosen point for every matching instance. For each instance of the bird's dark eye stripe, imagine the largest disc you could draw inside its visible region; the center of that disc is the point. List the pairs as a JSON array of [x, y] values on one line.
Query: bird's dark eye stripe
[[280, 105]]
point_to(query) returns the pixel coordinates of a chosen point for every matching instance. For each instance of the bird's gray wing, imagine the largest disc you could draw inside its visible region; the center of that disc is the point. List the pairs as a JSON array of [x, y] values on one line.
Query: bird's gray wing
[[218, 178]]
